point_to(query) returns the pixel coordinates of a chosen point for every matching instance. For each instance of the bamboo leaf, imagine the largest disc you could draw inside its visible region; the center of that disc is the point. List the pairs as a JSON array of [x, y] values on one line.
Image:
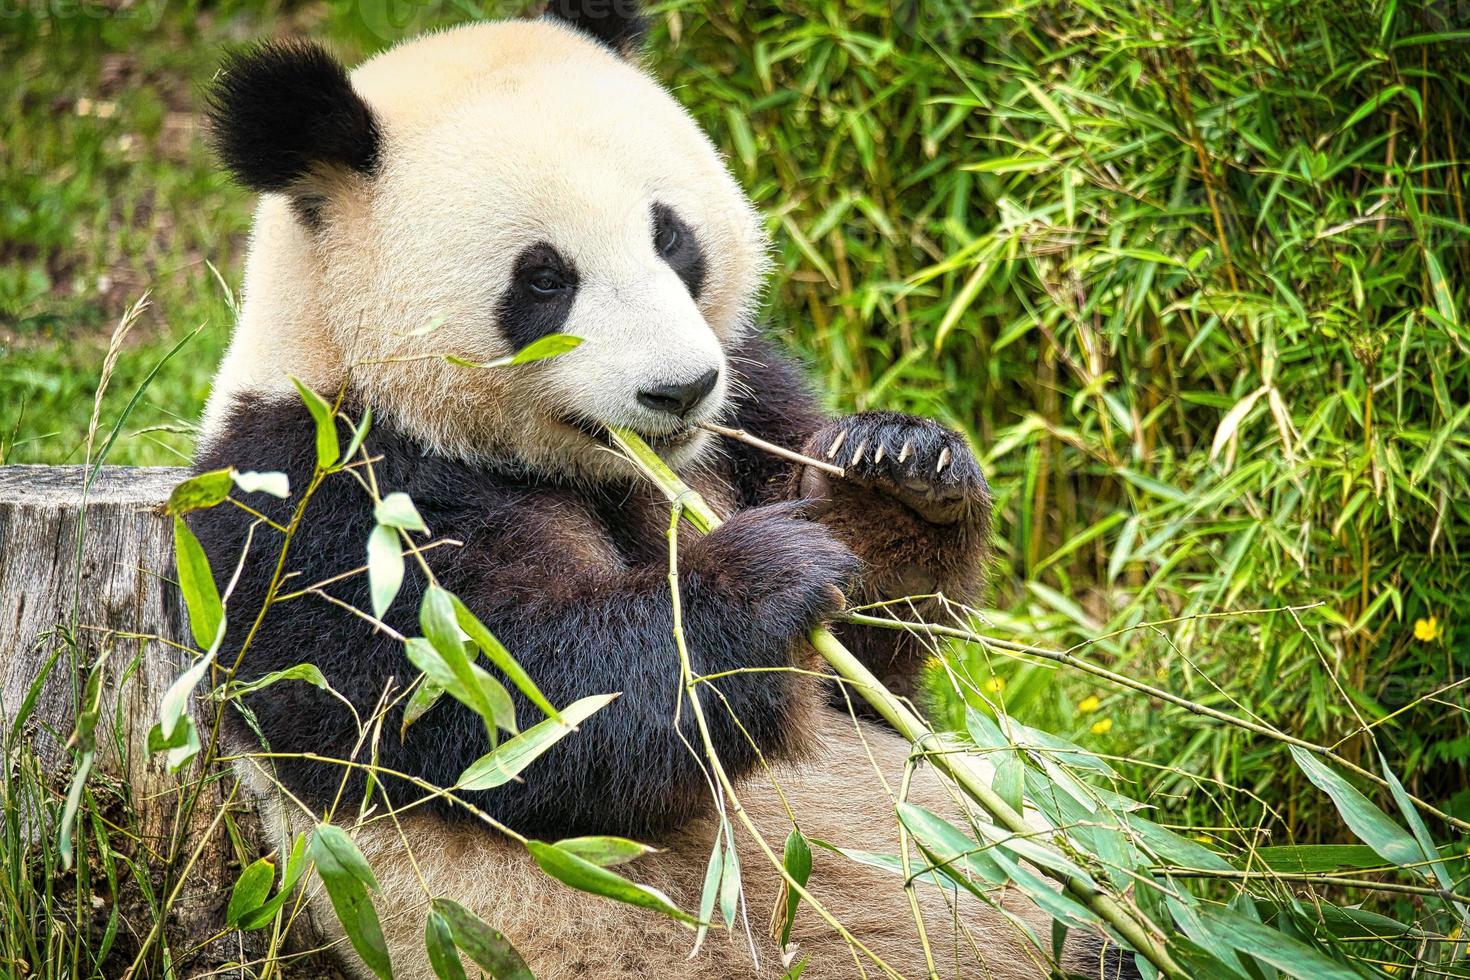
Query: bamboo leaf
[[250, 890], [196, 581], [273, 483], [1292, 957], [605, 851], [327, 450], [397, 510], [199, 492], [513, 755], [486, 946], [349, 882], [439, 941], [1371, 824], [798, 861], [385, 568], [585, 876]]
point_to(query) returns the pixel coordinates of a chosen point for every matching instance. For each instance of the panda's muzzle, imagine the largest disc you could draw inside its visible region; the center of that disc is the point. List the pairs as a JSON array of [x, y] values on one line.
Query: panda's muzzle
[[679, 399]]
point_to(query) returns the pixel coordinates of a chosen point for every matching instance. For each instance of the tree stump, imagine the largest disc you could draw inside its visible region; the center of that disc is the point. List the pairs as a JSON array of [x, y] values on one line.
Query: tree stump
[[86, 574]]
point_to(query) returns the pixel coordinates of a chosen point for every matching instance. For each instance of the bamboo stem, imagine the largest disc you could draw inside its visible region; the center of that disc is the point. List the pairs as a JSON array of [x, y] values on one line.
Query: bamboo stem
[[740, 435], [956, 766]]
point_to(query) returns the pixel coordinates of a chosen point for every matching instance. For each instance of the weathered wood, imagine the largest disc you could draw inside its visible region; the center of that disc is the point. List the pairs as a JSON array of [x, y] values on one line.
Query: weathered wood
[[87, 573], [115, 578]]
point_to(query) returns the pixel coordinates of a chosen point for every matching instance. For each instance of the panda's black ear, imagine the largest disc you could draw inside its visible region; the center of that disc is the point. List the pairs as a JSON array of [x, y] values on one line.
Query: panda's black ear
[[284, 111], [619, 24]]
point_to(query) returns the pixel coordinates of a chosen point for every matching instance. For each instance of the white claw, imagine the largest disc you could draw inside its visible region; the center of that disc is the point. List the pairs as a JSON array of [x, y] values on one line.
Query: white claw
[[837, 444], [878, 456], [906, 451], [943, 460], [858, 454]]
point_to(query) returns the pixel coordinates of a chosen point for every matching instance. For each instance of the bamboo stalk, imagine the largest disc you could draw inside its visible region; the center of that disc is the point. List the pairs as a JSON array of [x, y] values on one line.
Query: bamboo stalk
[[956, 766], [740, 435]]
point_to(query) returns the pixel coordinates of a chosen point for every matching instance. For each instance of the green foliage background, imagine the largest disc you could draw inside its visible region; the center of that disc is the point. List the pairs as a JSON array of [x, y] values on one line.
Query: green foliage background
[[1193, 276]]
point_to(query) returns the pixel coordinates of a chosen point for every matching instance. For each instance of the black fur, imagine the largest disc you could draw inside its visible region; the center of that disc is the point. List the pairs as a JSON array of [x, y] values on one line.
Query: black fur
[[619, 24], [1096, 958], [282, 108], [676, 245], [573, 582], [526, 314]]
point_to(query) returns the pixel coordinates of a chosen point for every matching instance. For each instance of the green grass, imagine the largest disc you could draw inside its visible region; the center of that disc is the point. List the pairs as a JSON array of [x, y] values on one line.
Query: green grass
[[1194, 278]]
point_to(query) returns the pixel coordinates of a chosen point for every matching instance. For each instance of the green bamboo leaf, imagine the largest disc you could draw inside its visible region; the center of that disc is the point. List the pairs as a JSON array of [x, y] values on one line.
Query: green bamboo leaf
[[196, 581], [605, 851], [710, 893], [1427, 851], [730, 881], [474, 688], [307, 673], [176, 699], [397, 510], [500, 657], [295, 868], [359, 434], [250, 890], [1289, 955], [182, 744], [199, 492], [424, 697], [327, 450], [385, 568], [551, 345], [349, 883], [486, 946], [1371, 824], [1010, 779], [585, 876], [451, 668], [504, 763], [439, 941], [1315, 858], [797, 858], [273, 483]]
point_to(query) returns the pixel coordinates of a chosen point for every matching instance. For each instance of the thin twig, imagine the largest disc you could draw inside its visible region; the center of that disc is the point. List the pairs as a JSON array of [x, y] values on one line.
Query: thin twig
[[741, 435]]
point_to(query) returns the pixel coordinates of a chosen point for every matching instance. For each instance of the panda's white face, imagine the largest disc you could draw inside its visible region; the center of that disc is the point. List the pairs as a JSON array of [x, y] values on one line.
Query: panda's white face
[[529, 182]]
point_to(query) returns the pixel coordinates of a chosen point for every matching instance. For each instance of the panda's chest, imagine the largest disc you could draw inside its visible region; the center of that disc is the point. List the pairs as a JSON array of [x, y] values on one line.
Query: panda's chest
[[635, 519]]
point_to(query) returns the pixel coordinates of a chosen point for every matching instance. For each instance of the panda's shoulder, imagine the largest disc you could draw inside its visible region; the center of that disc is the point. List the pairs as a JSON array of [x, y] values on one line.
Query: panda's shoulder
[[281, 435]]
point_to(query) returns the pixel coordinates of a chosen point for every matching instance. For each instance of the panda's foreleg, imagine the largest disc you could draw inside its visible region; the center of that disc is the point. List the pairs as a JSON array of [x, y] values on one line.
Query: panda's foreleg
[[915, 508], [749, 591]]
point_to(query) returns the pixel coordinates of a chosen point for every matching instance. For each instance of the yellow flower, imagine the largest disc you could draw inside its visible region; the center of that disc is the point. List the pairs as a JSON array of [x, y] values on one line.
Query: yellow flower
[[995, 685], [1390, 968], [1089, 704], [1102, 726], [1426, 629]]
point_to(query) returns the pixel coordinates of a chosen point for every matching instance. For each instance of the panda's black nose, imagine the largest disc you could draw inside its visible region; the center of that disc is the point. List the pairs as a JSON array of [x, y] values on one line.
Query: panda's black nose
[[679, 399]]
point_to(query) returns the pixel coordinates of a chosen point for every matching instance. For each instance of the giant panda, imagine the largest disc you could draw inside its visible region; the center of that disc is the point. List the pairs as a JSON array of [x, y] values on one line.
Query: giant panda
[[466, 193]]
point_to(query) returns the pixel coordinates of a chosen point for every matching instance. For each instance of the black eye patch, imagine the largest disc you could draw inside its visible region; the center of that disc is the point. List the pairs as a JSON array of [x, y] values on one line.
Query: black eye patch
[[675, 243], [538, 300]]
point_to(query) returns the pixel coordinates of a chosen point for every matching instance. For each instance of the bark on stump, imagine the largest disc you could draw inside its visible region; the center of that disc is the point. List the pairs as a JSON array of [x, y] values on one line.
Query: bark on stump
[[87, 572]]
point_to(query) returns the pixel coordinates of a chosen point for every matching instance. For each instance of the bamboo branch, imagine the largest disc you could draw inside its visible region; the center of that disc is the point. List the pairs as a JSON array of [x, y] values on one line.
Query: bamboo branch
[[1146, 941], [740, 435], [1122, 680]]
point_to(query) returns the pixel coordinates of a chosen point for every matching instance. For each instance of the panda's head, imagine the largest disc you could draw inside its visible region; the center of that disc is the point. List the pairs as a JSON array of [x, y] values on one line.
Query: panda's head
[[466, 193]]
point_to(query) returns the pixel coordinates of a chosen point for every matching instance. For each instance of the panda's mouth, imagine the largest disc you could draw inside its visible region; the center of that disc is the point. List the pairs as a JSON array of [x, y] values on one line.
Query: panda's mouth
[[597, 432]]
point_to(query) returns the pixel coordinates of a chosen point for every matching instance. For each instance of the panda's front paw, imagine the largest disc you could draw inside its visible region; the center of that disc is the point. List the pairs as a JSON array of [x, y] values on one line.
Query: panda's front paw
[[790, 570], [918, 462]]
